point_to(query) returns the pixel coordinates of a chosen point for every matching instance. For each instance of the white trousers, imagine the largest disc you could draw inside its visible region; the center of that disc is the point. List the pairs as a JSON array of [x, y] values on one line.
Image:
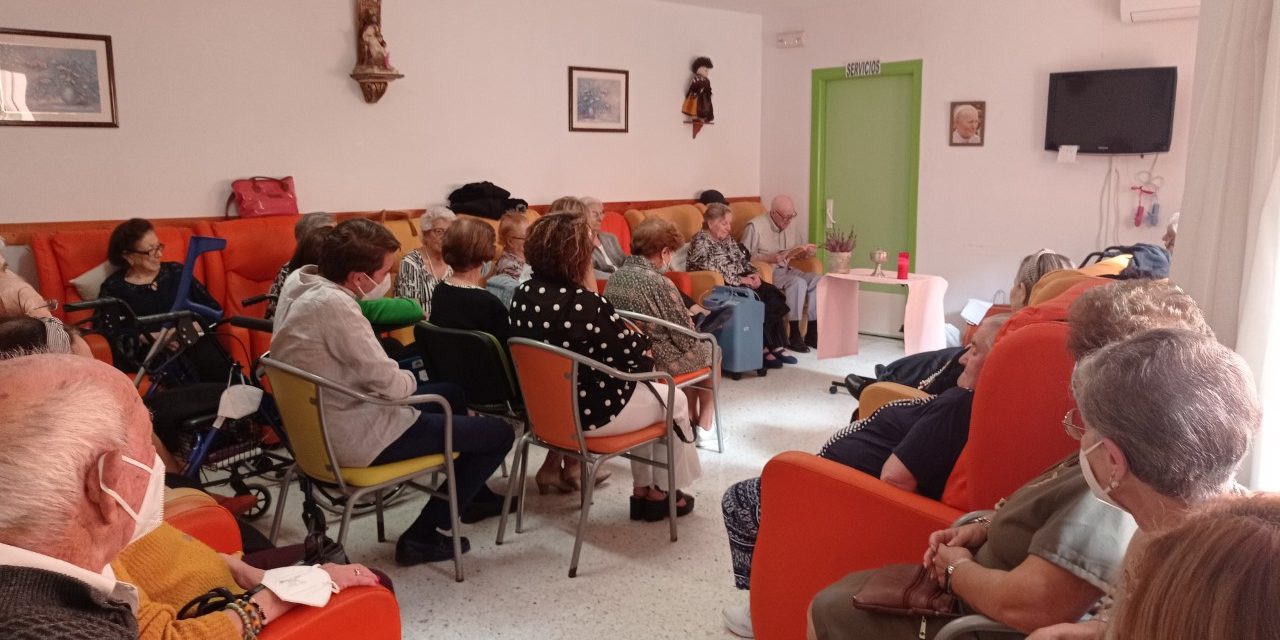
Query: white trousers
[[801, 289], [641, 411]]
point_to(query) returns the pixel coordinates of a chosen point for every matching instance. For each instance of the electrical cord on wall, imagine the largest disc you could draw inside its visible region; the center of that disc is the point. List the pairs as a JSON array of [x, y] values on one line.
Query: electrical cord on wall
[[1109, 207]]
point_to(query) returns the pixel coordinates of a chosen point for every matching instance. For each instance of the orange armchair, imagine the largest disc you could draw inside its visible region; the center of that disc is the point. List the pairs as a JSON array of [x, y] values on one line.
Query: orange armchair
[[256, 249], [821, 520], [358, 612]]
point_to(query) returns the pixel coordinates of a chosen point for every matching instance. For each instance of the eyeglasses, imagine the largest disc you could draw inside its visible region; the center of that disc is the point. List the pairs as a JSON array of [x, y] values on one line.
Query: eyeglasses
[[1070, 423], [515, 237], [154, 251], [786, 216]]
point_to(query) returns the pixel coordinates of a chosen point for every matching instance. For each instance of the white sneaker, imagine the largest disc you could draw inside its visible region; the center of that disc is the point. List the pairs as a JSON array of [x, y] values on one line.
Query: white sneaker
[[738, 619]]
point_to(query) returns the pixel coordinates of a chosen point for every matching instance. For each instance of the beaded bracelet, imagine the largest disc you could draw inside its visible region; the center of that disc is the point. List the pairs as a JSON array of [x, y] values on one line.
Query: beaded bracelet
[[249, 632]]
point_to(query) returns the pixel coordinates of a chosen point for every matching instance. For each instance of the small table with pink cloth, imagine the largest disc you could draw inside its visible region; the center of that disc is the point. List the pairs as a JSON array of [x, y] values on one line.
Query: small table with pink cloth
[[838, 312]]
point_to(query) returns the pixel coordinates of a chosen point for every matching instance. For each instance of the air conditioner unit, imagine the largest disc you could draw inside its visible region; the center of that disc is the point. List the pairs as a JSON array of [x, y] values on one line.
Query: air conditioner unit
[[1150, 10]]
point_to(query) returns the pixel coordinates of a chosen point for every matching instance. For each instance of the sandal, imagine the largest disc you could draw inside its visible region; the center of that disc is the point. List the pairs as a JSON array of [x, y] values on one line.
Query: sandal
[[655, 510]]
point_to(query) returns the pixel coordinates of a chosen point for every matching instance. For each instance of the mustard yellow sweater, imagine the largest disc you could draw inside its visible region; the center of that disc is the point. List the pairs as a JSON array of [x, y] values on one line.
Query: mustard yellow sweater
[[170, 568]]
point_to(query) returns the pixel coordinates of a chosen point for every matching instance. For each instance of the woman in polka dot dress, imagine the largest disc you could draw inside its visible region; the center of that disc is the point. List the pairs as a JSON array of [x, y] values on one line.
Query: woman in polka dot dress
[[559, 306]]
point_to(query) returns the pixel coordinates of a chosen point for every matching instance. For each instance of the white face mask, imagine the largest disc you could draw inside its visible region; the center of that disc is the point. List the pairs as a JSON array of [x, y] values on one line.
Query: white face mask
[[1099, 492], [379, 289], [150, 513]]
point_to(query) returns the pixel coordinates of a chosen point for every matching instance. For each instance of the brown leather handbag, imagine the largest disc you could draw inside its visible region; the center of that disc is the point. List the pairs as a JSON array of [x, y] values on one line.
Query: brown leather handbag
[[905, 590]]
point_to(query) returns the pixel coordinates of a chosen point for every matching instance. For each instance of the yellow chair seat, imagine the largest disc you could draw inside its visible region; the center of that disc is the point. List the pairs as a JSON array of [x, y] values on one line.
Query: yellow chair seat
[[370, 476]]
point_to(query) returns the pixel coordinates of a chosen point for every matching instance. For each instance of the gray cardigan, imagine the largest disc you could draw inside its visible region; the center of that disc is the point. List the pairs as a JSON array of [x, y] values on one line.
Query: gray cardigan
[[609, 251]]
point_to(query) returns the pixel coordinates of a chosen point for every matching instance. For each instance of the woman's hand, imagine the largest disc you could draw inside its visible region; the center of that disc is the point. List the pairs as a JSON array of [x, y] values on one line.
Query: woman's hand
[[752, 281], [350, 575], [244, 575], [947, 556], [969, 536]]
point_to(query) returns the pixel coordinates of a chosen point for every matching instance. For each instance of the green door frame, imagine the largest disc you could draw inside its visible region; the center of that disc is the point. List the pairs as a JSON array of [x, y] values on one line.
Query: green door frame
[[817, 146]]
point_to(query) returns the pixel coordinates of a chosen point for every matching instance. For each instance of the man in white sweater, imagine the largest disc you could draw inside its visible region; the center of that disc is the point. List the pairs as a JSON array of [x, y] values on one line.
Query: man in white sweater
[[319, 328]]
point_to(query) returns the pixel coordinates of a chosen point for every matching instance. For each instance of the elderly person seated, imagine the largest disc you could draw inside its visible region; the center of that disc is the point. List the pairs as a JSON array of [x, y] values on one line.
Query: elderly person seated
[[1164, 419], [639, 286], [307, 223], [511, 268], [1230, 548], [319, 328], [424, 267], [461, 301], [149, 286], [772, 238], [77, 441], [608, 254], [911, 444], [713, 249], [559, 306]]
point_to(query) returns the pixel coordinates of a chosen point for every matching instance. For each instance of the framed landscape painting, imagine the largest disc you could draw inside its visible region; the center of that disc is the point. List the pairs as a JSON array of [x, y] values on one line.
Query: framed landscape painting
[[598, 99], [50, 79]]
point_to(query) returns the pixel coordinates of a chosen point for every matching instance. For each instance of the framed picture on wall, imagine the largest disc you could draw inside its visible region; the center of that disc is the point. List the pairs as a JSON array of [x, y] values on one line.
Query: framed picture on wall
[[598, 99], [967, 123], [50, 79]]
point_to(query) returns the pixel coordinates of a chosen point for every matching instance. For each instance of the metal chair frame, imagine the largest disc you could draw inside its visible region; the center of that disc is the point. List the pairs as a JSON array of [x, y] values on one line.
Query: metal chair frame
[[353, 493], [971, 625], [709, 381], [589, 459]]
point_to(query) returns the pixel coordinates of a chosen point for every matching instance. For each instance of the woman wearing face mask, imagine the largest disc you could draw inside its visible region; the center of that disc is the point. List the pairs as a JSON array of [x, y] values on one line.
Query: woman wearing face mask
[[1164, 420], [149, 286], [639, 286], [1145, 403], [319, 328]]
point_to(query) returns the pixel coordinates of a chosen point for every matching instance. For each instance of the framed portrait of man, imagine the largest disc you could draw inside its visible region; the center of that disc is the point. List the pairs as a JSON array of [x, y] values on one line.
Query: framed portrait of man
[[967, 123]]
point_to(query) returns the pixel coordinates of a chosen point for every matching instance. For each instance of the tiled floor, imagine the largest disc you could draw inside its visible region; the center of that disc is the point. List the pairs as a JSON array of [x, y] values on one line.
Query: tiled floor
[[632, 581]]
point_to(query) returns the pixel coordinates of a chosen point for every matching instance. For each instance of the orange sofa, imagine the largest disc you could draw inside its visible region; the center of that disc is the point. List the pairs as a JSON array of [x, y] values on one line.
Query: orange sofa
[[358, 612], [821, 520]]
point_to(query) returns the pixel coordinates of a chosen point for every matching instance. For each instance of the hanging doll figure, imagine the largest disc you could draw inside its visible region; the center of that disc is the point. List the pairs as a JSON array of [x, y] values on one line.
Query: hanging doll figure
[[697, 100]]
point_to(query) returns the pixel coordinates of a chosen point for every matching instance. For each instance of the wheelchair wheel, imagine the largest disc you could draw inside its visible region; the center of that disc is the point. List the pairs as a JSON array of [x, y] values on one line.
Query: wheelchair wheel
[[334, 503], [263, 494]]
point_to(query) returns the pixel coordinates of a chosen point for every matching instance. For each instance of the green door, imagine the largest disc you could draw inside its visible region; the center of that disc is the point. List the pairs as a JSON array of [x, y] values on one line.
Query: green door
[[865, 165]]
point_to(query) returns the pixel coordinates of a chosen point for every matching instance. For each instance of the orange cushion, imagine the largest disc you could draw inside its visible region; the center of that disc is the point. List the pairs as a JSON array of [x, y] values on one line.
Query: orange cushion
[[685, 377], [610, 444], [616, 224]]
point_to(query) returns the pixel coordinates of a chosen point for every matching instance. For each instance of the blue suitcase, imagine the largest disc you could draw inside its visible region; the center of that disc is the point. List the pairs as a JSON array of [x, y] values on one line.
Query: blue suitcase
[[737, 322]]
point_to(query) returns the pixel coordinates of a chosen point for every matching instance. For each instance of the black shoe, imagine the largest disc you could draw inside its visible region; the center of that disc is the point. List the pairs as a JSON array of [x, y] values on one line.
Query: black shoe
[[856, 383], [811, 334], [483, 510], [655, 510], [436, 548], [797, 345], [784, 358], [773, 363]]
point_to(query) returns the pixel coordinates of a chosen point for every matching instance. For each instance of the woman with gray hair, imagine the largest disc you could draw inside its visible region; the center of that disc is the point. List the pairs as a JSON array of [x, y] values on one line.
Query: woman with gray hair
[[424, 267], [306, 223], [1164, 419]]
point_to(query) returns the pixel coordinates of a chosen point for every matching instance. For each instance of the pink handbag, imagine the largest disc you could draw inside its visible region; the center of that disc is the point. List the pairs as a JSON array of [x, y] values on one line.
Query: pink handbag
[[260, 196]]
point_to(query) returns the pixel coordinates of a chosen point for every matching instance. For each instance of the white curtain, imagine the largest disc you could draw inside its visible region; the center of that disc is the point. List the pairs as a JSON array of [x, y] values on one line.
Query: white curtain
[[1228, 248]]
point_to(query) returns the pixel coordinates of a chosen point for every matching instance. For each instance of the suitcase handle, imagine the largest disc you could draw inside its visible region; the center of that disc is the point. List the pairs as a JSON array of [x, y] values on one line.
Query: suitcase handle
[[737, 292]]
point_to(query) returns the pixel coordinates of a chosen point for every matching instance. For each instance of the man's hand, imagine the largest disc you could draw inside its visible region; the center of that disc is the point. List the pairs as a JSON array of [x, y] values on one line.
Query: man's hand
[[1091, 630]]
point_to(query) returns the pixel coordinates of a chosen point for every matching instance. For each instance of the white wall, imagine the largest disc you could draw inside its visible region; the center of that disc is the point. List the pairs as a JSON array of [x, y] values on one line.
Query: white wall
[[210, 91], [980, 209]]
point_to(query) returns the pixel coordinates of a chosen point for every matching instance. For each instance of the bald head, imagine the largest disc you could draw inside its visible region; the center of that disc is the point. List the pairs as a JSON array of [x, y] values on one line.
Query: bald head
[[59, 414], [782, 210]]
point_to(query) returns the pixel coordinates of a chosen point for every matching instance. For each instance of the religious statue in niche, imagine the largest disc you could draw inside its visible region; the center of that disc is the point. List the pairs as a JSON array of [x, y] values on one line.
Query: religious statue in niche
[[373, 60], [697, 100]]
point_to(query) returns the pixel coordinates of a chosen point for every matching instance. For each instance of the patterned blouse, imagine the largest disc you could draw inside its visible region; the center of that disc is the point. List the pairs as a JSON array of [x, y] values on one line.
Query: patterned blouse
[[565, 315], [727, 257], [637, 286], [277, 286], [508, 265], [416, 282]]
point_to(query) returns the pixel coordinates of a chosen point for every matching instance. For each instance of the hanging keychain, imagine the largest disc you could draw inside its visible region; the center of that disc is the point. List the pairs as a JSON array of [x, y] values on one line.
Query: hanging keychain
[[1139, 214], [1148, 185]]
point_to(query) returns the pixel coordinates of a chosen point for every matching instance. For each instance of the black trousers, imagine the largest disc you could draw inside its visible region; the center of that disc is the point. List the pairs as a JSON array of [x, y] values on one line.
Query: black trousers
[[481, 443], [775, 315]]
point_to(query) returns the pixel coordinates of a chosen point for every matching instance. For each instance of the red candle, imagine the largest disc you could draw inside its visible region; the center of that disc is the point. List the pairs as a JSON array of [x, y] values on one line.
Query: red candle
[[904, 260]]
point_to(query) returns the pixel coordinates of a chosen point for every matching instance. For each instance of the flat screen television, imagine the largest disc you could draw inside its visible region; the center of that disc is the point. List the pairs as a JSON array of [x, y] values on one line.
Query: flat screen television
[[1112, 112]]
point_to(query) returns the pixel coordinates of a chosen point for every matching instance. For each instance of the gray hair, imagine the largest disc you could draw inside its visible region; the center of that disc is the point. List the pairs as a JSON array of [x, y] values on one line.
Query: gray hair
[[52, 435], [590, 201], [715, 211], [1112, 312], [1182, 408], [438, 212], [310, 222], [992, 324], [1035, 266]]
